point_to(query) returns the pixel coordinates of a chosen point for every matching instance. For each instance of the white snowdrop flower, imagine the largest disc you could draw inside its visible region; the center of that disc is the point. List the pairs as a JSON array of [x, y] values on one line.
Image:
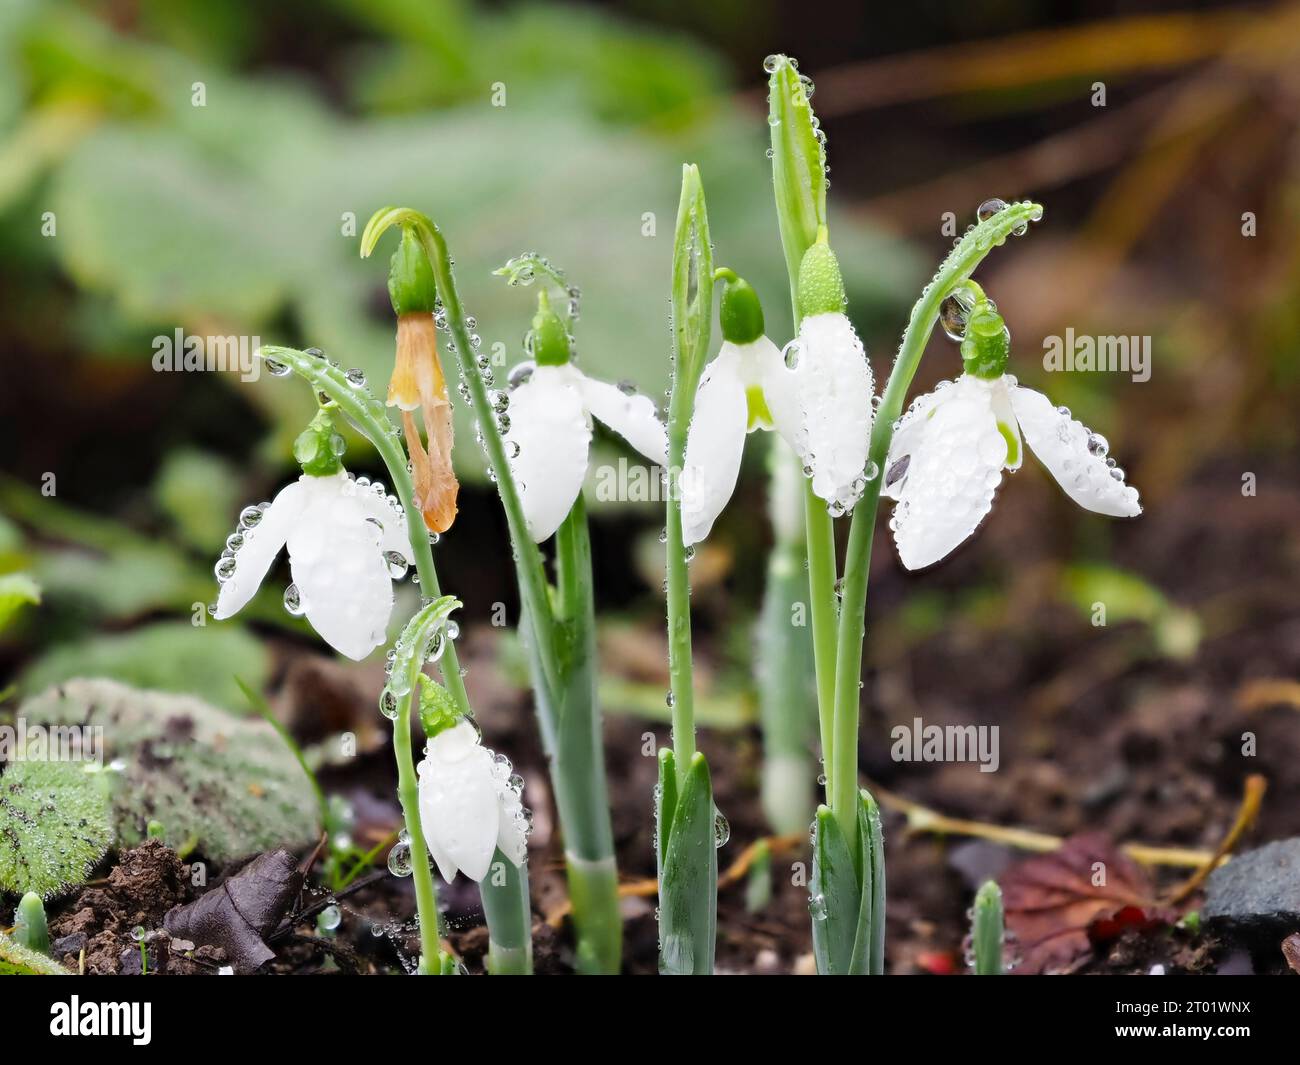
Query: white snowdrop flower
[[834, 385], [745, 387], [346, 542], [469, 806], [949, 450], [549, 438]]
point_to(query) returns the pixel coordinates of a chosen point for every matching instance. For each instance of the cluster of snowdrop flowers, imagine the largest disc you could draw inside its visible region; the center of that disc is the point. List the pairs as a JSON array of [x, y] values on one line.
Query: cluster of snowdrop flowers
[[470, 804], [949, 450], [816, 395], [346, 541], [548, 441]]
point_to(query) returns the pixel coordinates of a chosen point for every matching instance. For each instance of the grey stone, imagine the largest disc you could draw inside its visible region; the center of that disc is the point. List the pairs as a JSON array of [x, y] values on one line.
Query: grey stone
[[1260, 888]]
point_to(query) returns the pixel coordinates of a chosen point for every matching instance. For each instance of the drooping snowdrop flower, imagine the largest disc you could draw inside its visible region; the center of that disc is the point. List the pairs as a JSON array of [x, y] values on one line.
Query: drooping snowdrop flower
[[949, 450], [346, 542], [551, 407], [417, 383], [745, 387], [834, 384], [470, 804]]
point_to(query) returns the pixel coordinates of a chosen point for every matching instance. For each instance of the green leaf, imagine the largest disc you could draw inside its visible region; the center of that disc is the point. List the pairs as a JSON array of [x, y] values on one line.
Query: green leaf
[[30, 926], [688, 880], [54, 825], [839, 906], [798, 163], [848, 906], [228, 784], [171, 656], [987, 930], [665, 804], [17, 960], [16, 591], [692, 294]]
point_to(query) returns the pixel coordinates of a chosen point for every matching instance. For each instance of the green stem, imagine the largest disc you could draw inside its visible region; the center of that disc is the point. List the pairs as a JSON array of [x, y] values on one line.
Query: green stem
[[577, 752], [565, 707], [692, 303], [408, 793], [821, 606], [371, 417], [784, 664], [509, 918], [955, 269]]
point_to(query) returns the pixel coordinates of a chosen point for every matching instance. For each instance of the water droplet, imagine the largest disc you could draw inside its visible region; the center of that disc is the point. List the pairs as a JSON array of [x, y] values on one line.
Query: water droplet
[[276, 369], [293, 601], [356, 378], [330, 918], [388, 704], [225, 568], [669, 699], [791, 353], [721, 829], [953, 313], [1098, 445], [250, 517], [989, 208], [817, 907], [138, 933], [399, 859], [397, 564], [771, 63]]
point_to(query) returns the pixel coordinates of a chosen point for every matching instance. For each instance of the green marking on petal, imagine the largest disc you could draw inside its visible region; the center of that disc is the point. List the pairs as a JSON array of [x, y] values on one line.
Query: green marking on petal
[[1013, 443], [760, 415]]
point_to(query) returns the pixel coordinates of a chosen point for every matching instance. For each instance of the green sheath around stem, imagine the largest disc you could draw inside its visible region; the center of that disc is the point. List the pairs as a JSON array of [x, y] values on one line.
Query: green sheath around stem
[[509, 918]]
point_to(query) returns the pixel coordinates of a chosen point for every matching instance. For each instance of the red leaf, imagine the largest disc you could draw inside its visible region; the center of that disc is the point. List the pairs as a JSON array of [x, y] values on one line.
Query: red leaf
[[1059, 905]]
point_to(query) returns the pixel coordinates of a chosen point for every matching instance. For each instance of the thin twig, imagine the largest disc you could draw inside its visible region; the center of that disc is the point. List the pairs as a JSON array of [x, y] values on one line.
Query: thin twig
[[1256, 785]]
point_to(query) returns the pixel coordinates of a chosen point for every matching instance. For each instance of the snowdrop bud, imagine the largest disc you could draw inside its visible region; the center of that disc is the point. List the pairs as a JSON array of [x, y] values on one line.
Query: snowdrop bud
[[410, 277], [315, 447], [740, 312], [821, 288], [987, 343], [550, 337], [469, 806]]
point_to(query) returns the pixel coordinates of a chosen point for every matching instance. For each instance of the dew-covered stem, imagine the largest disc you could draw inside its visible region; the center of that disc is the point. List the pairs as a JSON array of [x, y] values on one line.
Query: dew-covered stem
[[953, 272]]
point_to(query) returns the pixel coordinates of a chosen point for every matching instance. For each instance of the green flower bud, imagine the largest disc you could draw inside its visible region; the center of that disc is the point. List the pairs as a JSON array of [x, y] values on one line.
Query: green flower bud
[[821, 288], [318, 447], [740, 311], [550, 336], [30, 928], [438, 710], [987, 343], [410, 277]]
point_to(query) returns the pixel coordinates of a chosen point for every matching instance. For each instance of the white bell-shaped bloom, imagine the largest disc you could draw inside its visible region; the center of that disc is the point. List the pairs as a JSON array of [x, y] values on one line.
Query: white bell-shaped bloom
[[949, 450], [745, 387], [549, 437], [469, 805], [346, 542], [834, 389]]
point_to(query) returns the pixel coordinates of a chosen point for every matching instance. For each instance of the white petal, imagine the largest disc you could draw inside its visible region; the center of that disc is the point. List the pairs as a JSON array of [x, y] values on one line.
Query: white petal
[[954, 469], [387, 520], [1062, 445], [459, 805], [763, 367], [713, 444], [551, 435], [337, 564], [633, 417], [908, 433], [512, 839], [1007, 421], [261, 544], [835, 395]]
